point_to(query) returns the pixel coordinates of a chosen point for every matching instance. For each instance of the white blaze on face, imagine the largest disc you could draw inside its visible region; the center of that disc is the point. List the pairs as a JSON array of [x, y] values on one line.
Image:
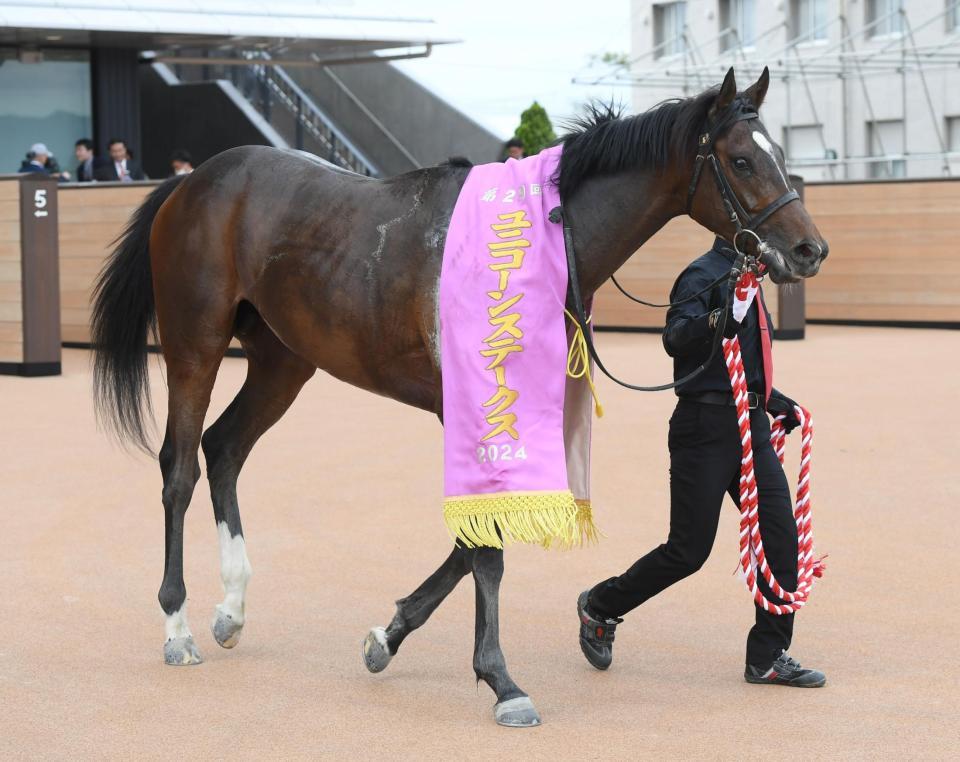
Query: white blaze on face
[[767, 147], [235, 571]]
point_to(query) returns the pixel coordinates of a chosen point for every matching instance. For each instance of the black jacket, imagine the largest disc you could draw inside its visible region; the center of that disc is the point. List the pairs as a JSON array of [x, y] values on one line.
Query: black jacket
[[96, 165], [687, 335], [107, 172], [27, 166]]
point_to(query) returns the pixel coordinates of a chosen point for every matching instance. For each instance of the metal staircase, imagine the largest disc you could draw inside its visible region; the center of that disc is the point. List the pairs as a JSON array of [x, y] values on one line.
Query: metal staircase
[[292, 112]]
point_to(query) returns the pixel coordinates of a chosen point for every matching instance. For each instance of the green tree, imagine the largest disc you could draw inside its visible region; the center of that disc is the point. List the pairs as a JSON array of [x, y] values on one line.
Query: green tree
[[535, 130]]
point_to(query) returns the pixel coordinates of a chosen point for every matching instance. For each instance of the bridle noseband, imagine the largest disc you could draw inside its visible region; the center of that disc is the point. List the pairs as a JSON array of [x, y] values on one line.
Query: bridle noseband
[[737, 213]]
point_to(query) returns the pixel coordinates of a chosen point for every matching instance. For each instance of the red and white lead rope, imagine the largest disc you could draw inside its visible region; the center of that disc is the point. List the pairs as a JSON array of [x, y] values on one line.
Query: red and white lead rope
[[752, 557]]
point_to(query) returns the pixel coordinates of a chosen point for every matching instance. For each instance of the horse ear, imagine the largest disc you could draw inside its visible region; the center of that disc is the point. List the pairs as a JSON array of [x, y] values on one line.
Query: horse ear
[[758, 90], [728, 91]]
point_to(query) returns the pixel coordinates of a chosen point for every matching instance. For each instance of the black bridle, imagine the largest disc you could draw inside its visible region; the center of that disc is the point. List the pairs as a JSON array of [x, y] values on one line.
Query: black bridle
[[739, 217]]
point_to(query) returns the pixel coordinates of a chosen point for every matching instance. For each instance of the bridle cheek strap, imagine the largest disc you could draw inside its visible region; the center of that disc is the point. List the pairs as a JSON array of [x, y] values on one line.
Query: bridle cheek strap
[[736, 212]]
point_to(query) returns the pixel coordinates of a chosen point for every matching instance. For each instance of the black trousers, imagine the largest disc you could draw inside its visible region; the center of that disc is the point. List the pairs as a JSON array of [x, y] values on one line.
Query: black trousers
[[705, 450]]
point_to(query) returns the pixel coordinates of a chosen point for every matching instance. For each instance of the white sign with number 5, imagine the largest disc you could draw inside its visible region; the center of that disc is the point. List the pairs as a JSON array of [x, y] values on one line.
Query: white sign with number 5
[[39, 202]]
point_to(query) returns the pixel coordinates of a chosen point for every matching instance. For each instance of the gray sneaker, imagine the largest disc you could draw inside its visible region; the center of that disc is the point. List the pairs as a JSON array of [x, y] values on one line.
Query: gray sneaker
[[596, 634], [785, 671]]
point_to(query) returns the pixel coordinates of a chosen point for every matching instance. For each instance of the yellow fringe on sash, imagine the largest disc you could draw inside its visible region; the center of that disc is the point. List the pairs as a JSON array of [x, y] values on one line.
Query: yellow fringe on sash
[[545, 518], [588, 532]]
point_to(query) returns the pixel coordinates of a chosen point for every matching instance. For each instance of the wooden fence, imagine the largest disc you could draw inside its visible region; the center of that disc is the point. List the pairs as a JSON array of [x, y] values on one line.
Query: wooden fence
[[91, 217], [893, 251], [892, 255], [11, 301]]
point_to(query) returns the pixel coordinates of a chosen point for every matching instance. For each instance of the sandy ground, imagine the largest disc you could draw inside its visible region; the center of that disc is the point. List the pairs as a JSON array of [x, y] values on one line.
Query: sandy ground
[[341, 507]]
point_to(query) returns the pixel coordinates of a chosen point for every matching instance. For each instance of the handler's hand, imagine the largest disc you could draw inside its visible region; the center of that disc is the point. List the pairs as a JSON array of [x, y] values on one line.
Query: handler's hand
[[730, 329], [781, 404]]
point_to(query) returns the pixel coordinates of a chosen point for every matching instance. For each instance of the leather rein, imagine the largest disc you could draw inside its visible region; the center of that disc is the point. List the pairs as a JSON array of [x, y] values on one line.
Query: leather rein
[[738, 216]]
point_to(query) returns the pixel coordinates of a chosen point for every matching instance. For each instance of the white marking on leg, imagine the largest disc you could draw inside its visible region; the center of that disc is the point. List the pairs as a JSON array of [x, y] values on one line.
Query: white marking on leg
[[176, 624], [235, 572], [761, 140]]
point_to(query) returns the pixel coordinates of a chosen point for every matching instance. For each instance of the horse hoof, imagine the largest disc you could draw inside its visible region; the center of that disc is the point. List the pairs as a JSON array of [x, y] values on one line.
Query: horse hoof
[[376, 655], [180, 652], [516, 713], [226, 630]]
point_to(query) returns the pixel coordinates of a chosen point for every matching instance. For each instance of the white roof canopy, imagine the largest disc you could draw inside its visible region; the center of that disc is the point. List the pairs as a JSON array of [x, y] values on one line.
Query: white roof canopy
[[172, 24]]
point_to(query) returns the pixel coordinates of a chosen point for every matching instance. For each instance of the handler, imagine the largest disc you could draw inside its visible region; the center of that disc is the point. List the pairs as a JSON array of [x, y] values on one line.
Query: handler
[[705, 452]]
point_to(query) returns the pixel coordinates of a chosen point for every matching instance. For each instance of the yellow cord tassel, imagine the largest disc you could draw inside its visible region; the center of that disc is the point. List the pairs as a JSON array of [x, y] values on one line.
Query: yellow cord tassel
[[542, 518], [578, 361]]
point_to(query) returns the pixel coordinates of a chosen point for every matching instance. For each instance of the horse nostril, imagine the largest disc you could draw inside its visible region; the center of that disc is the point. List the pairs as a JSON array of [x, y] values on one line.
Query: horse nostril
[[824, 250], [808, 250]]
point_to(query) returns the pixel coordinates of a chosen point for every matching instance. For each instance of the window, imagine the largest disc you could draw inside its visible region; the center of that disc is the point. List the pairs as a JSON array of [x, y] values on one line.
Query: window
[[953, 134], [46, 102], [737, 26], [809, 19], [803, 145], [883, 18], [803, 142], [885, 138], [953, 15], [668, 22]]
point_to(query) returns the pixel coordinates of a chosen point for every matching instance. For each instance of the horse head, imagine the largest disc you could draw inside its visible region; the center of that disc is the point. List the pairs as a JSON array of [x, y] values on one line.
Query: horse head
[[741, 191]]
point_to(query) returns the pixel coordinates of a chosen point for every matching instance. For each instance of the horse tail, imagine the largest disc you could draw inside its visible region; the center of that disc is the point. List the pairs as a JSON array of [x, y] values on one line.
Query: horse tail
[[123, 313]]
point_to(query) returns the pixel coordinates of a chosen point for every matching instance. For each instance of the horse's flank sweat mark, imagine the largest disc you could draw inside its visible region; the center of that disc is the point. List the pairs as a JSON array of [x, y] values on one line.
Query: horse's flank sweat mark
[[383, 227]]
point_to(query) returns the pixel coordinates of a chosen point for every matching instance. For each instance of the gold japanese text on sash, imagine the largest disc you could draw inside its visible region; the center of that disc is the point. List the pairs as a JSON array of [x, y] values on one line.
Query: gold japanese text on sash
[[544, 517]]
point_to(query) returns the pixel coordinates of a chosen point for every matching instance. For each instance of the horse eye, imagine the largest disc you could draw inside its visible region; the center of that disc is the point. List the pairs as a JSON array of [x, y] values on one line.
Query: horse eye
[[741, 165]]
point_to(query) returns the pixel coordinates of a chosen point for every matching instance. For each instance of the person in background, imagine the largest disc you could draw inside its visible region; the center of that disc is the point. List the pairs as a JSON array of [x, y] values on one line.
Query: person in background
[[37, 158], [88, 162], [121, 167], [514, 148], [53, 168], [181, 162], [40, 159]]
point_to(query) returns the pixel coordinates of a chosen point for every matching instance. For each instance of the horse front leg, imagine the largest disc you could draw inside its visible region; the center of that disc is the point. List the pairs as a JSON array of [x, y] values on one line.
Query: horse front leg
[[381, 644], [513, 708]]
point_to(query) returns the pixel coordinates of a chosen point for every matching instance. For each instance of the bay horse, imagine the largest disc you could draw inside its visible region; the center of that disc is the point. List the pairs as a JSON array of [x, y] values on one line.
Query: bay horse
[[311, 266]]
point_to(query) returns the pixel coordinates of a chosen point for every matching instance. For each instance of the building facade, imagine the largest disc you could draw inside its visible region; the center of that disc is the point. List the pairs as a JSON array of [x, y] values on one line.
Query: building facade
[[861, 89], [166, 75]]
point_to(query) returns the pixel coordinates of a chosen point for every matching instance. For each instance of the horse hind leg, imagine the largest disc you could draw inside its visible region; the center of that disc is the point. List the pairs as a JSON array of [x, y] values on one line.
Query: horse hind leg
[[190, 378], [381, 644], [275, 376]]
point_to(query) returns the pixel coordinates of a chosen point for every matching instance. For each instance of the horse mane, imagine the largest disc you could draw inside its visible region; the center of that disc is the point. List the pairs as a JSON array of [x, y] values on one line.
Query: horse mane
[[602, 141]]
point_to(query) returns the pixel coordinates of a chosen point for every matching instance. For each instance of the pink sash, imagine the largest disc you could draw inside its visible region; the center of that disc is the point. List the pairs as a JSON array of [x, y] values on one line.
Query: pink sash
[[516, 426]]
